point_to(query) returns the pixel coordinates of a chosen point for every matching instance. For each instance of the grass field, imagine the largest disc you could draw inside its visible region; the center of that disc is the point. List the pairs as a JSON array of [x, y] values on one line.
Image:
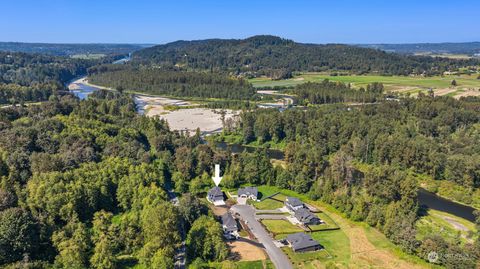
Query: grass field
[[450, 227], [281, 226], [329, 223], [267, 204], [395, 83]]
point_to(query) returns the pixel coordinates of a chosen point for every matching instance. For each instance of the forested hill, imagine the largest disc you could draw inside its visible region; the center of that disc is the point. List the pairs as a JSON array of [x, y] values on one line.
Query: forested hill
[[277, 58]]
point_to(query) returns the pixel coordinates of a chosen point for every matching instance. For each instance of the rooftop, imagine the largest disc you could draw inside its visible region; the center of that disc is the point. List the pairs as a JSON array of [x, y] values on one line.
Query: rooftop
[[215, 191], [248, 191], [294, 201], [301, 241], [229, 222]]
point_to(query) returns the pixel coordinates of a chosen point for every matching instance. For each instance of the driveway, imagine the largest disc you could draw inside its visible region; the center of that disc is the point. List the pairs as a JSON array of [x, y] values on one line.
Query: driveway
[[247, 214]]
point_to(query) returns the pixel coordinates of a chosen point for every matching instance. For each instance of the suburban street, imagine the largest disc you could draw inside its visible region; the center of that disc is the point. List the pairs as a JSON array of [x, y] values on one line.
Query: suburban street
[[247, 214]]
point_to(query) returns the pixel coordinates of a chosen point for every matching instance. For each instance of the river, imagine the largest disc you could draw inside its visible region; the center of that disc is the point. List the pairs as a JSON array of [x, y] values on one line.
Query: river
[[425, 198]]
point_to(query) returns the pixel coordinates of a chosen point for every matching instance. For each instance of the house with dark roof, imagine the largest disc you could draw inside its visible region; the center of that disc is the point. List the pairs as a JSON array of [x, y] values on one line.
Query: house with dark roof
[[306, 217], [248, 192], [229, 225], [301, 242], [215, 196], [293, 204]]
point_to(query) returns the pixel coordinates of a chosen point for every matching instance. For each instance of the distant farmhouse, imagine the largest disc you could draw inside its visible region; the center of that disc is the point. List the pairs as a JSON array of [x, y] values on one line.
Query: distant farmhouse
[[215, 196], [230, 228], [301, 242], [306, 217], [293, 204], [248, 192]]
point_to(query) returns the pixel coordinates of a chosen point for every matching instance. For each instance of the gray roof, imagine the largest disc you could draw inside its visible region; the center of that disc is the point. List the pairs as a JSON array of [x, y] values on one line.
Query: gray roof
[[215, 193], [229, 222], [304, 215], [293, 201], [301, 241], [248, 191]]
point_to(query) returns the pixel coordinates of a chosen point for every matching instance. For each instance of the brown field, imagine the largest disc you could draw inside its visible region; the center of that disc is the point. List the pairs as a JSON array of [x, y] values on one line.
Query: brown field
[[243, 250], [364, 253], [219, 210]]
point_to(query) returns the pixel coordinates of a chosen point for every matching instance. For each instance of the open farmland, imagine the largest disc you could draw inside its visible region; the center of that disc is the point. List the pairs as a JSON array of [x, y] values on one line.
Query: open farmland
[[467, 85]]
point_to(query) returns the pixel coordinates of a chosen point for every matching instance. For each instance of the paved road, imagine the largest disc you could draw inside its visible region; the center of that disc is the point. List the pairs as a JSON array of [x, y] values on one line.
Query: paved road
[[247, 214]]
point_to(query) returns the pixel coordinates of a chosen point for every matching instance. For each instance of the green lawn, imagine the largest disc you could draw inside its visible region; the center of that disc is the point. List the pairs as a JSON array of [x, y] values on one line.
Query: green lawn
[[267, 204], [270, 203], [362, 81], [267, 191], [336, 253], [443, 224], [280, 227], [329, 223]]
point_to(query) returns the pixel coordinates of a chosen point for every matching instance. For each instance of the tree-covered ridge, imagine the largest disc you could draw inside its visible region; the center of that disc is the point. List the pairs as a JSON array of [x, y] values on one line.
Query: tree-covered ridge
[[172, 83], [277, 58]]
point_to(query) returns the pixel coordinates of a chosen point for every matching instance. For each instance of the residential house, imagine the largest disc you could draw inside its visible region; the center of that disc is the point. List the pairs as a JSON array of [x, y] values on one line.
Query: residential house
[[301, 242], [293, 204], [215, 196], [306, 217], [248, 192], [229, 225]]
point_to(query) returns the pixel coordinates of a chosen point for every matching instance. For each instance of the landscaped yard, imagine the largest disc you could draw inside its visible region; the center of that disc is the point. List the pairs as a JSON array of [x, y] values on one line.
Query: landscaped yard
[[281, 226], [336, 252]]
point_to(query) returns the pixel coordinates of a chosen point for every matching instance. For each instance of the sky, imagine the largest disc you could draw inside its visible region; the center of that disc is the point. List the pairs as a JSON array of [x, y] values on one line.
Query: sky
[[307, 21]]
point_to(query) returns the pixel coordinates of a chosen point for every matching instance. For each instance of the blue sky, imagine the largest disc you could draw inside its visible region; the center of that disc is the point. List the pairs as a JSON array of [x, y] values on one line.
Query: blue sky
[[333, 21]]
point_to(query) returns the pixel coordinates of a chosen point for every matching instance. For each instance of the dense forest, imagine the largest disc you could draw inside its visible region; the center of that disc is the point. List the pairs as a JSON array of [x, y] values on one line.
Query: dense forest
[[69, 49], [35, 77], [84, 185], [172, 83], [329, 146], [278, 58]]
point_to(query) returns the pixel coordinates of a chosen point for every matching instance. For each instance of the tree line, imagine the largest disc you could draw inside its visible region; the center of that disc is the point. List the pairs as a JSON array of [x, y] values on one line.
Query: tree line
[[327, 92], [172, 83]]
